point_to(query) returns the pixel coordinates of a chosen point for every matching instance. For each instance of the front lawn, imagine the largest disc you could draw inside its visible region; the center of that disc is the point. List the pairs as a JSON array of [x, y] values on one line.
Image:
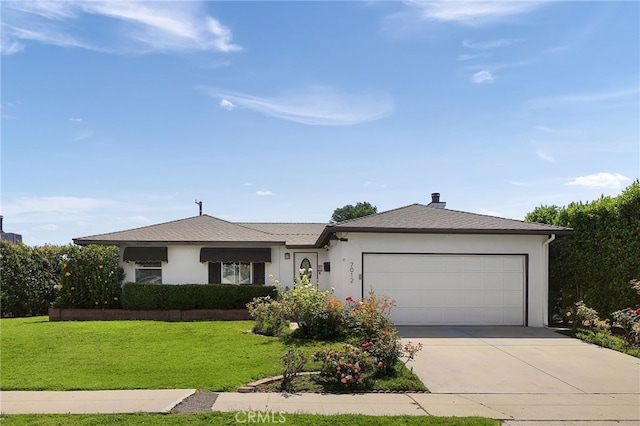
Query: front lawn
[[230, 419], [36, 354]]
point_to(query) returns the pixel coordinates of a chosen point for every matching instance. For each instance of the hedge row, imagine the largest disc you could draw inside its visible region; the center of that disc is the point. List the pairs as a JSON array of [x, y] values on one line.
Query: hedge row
[[28, 279], [91, 277], [596, 263], [192, 296]]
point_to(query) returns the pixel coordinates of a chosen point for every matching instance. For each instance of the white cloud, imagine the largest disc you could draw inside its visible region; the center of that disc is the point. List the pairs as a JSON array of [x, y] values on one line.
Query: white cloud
[[556, 131], [42, 209], [75, 120], [472, 12], [134, 26], [226, 104], [605, 99], [263, 193], [468, 57], [48, 227], [482, 77], [544, 156], [491, 44], [600, 180], [10, 47], [317, 105]]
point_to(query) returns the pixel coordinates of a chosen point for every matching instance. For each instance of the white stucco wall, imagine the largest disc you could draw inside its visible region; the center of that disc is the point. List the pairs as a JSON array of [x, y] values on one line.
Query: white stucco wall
[[184, 266], [346, 259]]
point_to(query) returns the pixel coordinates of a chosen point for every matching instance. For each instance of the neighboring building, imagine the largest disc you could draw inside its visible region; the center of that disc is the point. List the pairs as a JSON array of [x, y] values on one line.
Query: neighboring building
[[442, 267], [9, 236]]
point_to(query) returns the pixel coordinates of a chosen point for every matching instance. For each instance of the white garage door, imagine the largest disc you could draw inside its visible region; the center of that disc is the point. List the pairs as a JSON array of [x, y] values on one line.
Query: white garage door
[[432, 289]]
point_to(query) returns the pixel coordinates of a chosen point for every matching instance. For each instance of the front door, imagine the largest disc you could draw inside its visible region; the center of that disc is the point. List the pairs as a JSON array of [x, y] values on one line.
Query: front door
[[306, 261]]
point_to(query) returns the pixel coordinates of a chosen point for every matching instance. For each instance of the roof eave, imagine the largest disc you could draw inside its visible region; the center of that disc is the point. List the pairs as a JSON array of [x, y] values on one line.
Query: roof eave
[[324, 237], [84, 242]]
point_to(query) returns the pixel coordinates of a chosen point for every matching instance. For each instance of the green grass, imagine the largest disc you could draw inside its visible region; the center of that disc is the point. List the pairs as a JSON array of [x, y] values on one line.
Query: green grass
[[36, 354], [229, 419], [606, 340]]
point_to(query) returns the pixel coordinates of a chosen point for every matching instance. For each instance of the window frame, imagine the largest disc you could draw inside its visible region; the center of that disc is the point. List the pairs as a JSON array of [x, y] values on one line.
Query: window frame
[[237, 272], [147, 266]]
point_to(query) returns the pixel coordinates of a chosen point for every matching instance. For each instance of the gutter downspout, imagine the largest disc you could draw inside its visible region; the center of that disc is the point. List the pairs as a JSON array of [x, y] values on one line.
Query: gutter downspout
[[545, 275]]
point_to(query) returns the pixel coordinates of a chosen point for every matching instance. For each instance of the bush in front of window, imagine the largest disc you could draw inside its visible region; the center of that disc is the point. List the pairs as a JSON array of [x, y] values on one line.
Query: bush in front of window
[[91, 278], [139, 296]]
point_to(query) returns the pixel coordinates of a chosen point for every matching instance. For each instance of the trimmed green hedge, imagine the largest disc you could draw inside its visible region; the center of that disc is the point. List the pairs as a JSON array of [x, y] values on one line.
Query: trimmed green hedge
[[596, 263], [28, 278], [192, 296]]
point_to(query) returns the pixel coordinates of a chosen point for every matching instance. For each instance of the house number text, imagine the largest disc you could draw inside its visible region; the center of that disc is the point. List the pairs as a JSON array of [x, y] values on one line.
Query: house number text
[[351, 270]]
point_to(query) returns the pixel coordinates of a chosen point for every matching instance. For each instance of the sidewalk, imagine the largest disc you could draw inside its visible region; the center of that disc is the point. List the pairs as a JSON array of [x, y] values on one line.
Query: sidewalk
[[514, 409], [99, 402], [521, 407]]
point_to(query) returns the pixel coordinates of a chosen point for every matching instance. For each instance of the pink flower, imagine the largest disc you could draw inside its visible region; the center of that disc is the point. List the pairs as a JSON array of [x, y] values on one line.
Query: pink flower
[[380, 364], [638, 311], [349, 299]]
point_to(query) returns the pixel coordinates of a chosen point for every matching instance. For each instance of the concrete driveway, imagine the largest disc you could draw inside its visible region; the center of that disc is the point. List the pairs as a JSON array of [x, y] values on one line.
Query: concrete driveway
[[514, 360]]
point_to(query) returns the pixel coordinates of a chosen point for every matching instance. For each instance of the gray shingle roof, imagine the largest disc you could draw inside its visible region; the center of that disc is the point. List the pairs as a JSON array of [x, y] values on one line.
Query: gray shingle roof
[[415, 218], [295, 234], [198, 229], [428, 219]]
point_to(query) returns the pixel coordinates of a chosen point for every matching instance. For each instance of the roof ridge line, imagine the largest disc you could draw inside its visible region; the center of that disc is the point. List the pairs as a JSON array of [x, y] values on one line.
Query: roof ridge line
[[505, 218], [376, 214]]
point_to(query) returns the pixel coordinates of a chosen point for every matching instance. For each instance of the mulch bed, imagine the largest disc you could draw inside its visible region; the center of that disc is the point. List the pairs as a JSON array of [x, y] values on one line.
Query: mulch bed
[[199, 402]]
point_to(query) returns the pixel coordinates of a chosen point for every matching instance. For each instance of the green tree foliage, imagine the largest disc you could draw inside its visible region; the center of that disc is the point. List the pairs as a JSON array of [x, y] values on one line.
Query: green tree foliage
[[91, 277], [598, 261], [352, 212], [29, 276], [543, 214]]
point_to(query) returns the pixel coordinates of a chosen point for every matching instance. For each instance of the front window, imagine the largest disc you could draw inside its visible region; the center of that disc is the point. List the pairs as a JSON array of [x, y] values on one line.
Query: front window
[[149, 272], [236, 273]]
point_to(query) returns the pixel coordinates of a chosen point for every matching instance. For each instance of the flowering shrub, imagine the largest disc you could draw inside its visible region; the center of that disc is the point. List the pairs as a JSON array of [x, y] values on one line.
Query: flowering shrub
[[91, 277], [629, 321], [329, 325], [410, 350], [347, 369], [386, 350], [270, 315], [585, 314], [367, 319], [317, 313]]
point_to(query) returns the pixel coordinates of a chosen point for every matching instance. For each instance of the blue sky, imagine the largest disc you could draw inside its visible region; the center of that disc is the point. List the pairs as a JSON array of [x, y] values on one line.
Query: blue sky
[[121, 114]]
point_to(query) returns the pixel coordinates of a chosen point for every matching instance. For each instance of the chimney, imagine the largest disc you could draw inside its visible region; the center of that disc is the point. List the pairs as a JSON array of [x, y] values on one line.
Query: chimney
[[435, 201], [1, 219]]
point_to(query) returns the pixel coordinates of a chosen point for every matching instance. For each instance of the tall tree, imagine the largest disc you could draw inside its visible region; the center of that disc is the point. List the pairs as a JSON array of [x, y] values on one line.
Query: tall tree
[[351, 212]]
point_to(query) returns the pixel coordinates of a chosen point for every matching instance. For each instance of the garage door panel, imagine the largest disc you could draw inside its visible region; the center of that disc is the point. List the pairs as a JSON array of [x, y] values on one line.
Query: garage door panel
[[513, 299], [450, 289]]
